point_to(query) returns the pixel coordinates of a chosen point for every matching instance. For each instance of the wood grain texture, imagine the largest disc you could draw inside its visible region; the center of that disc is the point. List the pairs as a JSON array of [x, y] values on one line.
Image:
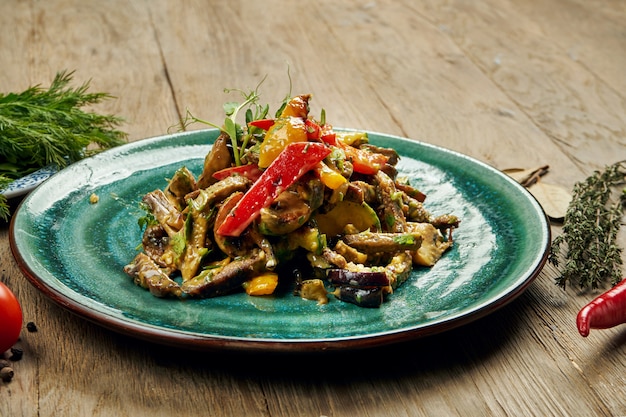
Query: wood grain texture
[[513, 84], [540, 72]]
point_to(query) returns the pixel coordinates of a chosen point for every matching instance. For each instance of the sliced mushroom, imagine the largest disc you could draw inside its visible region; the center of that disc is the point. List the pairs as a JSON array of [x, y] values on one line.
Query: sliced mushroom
[[219, 157], [181, 184], [155, 241], [391, 215], [369, 242], [164, 211], [433, 244], [292, 208], [147, 274], [226, 279]]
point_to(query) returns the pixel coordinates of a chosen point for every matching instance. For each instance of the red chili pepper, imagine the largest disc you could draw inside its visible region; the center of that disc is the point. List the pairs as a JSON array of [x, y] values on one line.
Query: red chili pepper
[[294, 161], [264, 124], [250, 171], [605, 311]]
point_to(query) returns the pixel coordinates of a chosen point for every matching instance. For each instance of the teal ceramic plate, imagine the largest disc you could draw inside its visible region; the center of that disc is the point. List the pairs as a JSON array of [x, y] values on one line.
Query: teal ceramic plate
[[74, 252]]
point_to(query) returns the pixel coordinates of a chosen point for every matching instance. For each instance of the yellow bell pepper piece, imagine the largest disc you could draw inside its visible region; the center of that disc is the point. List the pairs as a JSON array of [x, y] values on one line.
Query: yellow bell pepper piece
[[264, 284], [285, 131], [297, 106], [288, 128], [329, 177], [350, 138]]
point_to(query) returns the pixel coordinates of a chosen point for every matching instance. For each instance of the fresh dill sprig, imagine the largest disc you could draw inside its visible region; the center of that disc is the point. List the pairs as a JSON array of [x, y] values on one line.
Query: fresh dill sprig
[[40, 127], [4, 207], [590, 228]]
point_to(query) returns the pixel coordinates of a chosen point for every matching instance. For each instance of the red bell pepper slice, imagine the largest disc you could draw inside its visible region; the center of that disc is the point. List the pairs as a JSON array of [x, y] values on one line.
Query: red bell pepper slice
[[313, 130], [264, 124], [250, 171], [363, 162], [294, 161], [328, 135]]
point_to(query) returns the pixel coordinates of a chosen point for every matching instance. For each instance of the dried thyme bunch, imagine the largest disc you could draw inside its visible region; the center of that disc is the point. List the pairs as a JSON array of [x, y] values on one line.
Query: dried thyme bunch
[[590, 228]]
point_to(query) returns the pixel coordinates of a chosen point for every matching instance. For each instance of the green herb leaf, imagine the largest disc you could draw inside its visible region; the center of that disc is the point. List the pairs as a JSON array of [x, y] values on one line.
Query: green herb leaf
[[239, 137], [147, 219], [405, 239], [40, 127], [230, 108]]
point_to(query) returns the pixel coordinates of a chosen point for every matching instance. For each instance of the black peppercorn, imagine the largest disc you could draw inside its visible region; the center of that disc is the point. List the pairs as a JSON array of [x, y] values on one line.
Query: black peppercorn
[[6, 373], [16, 354]]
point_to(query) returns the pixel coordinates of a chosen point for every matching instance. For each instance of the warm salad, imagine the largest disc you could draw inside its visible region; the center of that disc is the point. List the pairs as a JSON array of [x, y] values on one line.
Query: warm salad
[[288, 204]]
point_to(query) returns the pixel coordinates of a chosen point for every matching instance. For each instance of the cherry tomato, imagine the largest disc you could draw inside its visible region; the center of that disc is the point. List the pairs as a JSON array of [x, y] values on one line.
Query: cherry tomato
[[10, 318]]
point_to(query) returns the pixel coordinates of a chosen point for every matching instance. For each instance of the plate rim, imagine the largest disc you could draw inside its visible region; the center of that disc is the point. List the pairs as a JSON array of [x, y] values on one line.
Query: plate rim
[[177, 338]]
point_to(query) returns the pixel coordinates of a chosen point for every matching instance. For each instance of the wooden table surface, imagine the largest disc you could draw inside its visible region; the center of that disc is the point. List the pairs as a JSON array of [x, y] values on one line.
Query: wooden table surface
[[511, 83]]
